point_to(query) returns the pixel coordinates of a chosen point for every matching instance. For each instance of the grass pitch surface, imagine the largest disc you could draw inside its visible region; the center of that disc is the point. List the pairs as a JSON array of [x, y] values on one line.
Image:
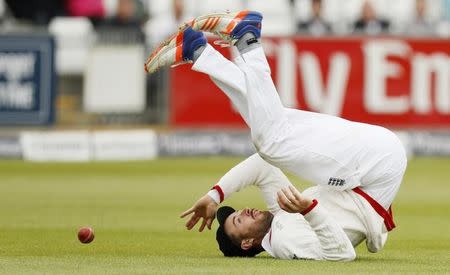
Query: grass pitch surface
[[134, 209]]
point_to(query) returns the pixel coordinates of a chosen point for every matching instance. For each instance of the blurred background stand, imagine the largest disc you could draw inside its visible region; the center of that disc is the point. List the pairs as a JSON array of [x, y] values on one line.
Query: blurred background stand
[[317, 49]]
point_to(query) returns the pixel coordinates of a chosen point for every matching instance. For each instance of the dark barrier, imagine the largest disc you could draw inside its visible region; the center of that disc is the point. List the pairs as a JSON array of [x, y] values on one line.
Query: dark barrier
[[27, 79]]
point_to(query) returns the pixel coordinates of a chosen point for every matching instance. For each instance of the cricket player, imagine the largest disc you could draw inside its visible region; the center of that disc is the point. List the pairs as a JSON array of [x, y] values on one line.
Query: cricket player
[[357, 168]]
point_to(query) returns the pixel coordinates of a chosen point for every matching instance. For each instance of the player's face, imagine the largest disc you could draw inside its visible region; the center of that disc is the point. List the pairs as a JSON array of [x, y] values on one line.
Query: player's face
[[248, 223]]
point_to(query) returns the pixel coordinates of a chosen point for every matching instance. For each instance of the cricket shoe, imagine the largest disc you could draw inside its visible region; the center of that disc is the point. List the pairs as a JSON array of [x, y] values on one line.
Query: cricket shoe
[[229, 26], [176, 50]]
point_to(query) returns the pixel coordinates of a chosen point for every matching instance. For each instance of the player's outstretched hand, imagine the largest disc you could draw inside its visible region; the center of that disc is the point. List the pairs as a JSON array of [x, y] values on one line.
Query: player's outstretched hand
[[292, 201], [205, 208]]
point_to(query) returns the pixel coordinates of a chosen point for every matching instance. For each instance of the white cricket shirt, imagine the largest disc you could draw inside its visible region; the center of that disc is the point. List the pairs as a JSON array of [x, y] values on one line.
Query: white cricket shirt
[[341, 220]]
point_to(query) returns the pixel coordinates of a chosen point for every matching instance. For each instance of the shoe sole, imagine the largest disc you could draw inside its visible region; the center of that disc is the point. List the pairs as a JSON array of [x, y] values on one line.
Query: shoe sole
[[162, 49], [208, 22]]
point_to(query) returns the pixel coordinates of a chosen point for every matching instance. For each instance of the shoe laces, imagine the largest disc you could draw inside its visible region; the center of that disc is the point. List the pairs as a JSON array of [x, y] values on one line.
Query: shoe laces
[[226, 41], [222, 43], [180, 63]]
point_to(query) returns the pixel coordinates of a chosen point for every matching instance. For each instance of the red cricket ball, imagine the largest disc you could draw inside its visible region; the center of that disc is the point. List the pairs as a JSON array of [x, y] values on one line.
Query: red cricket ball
[[86, 234]]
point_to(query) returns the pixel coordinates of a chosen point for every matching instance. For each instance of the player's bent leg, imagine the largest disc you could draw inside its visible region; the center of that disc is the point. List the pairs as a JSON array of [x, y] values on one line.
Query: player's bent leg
[[341, 155], [384, 175], [326, 150], [270, 127], [268, 122], [243, 29], [226, 75], [177, 49]]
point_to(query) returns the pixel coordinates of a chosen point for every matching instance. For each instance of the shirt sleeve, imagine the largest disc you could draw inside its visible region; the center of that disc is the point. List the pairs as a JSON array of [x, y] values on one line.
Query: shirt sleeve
[[334, 243], [254, 171]]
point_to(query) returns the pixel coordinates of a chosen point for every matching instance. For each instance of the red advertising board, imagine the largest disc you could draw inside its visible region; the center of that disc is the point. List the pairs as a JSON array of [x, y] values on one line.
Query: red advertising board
[[400, 83]]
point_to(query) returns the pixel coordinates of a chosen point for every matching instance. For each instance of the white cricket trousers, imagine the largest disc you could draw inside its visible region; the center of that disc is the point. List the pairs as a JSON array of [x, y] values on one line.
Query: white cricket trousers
[[323, 149]]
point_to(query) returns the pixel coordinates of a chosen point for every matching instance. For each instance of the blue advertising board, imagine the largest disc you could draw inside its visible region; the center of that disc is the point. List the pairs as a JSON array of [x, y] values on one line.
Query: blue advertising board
[[27, 79]]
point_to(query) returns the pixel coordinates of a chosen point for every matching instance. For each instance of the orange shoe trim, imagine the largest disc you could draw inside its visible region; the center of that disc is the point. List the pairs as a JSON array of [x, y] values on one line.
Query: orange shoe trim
[[235, 21], [214, 24], [179, 50], [205, 24]]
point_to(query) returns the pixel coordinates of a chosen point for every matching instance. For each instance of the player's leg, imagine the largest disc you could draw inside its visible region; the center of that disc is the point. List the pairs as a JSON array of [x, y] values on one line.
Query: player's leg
[[383, 173], [323, 149], [226, 75], [326, 150], [176, 50], [268, 120], [188, 46], [231, 80], [283, 137], [266, 115]]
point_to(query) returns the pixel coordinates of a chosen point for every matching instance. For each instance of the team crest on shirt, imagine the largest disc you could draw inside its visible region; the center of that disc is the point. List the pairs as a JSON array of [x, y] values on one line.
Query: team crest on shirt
[[279, 225], [336, 182]]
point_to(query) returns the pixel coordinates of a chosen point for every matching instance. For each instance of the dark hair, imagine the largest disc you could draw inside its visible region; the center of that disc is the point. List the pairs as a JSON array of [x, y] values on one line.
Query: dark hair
[[226, 245]]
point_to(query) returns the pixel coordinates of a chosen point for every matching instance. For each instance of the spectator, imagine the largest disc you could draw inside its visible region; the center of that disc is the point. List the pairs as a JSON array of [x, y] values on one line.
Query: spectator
[[116, 12], [38, 12], [369, 23], [164, 22], [316, 25], [421, 26], [178, 10]]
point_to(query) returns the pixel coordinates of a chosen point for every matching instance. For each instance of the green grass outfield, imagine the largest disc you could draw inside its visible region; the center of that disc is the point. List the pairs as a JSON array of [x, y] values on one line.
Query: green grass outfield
[[134, 208]]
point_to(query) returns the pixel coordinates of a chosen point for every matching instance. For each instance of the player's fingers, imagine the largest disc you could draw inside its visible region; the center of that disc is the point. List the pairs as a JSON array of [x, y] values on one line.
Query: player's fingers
[[284, 203], [295, 192], [280, 203], [187, 212], [285, 206], [202, 226], [189, 223], [192, 222], [282, 198], [209, 223], [287, 192]]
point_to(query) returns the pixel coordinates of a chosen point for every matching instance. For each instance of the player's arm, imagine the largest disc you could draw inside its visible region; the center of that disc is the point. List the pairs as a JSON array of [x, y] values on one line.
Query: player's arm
[[205, 208], [329, 241], [253, 171]]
